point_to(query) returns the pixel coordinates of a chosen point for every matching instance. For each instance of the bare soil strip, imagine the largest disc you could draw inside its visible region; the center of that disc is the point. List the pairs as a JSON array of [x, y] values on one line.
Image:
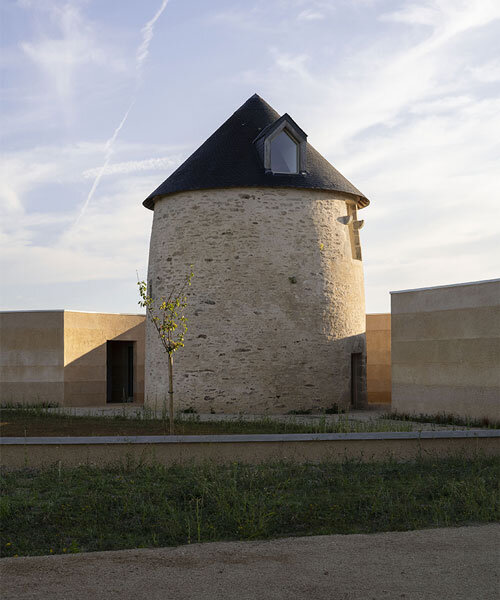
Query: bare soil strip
[[460, 563]]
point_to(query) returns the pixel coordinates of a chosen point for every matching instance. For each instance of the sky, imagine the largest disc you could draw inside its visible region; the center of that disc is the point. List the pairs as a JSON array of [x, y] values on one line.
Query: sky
[[101, 100]]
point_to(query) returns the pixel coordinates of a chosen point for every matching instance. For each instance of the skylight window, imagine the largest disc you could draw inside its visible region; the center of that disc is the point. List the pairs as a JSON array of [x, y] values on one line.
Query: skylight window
[[284, 154]]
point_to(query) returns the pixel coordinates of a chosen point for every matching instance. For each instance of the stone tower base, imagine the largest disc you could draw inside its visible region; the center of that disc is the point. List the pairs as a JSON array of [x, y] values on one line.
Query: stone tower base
[[276, 308]]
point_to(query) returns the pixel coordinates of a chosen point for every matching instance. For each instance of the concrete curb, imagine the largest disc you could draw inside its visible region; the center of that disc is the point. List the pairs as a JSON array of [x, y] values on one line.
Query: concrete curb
[[219, 449], [245, 438]]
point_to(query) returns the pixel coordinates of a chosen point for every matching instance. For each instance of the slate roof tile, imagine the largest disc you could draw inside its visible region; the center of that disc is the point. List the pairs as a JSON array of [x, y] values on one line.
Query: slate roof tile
[[228, 158]]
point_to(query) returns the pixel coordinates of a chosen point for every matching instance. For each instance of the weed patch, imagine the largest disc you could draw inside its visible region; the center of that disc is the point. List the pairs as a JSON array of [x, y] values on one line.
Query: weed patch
[[57, 511], [443, 419], [30, 422]]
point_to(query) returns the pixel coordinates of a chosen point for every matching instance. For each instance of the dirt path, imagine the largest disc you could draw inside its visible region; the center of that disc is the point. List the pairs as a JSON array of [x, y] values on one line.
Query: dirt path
[[441, 564]]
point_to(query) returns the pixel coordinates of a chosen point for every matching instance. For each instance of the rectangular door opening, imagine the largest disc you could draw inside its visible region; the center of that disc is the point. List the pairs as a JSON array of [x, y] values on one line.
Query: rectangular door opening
[[120, 371], [356, 373]]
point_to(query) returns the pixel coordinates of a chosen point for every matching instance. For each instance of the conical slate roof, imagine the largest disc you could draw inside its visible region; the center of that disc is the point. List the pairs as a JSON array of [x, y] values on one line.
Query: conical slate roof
[[229, 159]]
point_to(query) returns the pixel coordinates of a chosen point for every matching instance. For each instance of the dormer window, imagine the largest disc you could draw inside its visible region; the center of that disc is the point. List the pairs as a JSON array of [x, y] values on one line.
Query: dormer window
[[284, 153], [282, 147]]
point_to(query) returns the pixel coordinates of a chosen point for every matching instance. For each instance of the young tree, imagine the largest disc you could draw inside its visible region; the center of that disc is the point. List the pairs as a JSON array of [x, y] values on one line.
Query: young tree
[[167, 315]]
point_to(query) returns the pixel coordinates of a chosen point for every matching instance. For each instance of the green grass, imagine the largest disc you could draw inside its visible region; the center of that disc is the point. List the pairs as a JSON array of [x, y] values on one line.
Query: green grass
[[443, 419], [89, 508], [37, 421], [332, 410]]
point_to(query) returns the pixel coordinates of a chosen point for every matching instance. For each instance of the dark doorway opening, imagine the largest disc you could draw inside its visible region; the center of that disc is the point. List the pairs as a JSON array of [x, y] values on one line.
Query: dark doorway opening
[[120, 371], [356, 378]]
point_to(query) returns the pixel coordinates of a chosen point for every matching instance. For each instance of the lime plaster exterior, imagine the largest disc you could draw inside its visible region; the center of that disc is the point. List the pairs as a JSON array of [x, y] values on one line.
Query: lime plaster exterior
[[60, 356], [446, 350], [32, 357], [378, 358]]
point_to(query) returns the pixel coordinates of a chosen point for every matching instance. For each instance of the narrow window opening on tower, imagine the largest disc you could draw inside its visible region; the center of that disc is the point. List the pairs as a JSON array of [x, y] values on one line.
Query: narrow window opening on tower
[[354, 227], [284, 154]]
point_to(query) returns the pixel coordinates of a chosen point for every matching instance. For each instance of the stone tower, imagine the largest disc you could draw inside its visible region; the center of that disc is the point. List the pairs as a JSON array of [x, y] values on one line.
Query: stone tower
[[276, 309]]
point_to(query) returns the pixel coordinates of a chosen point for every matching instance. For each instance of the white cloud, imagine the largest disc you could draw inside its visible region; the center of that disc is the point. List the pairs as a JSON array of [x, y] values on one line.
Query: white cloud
[[382, 80], [108, 243], [62, 56], [310, 15], [32, 233], [23, 171], [488, 72], [133, 166], [411, 117], [141, 55], [415, 14], [446, 16], [405, 122], [295, 64]]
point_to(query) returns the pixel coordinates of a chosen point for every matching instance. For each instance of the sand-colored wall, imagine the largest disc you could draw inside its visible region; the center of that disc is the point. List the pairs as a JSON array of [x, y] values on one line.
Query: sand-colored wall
[[85, 337], [276, 305], [446, 350], [378, 358], [31, 357], [16, 453], [60, 356]]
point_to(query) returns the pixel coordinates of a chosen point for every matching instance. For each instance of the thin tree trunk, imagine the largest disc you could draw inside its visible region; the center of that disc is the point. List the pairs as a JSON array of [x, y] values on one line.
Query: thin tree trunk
[[171, 392]]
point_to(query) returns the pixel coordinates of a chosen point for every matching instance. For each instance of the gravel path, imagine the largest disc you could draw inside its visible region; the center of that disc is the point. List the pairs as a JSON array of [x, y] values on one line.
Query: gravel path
[[454, 563]]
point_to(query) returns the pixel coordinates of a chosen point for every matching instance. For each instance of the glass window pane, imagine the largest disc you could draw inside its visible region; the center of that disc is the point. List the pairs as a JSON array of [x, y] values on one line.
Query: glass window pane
[[283, 154]]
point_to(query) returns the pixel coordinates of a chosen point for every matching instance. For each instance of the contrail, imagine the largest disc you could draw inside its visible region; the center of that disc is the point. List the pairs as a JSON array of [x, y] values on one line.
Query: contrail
[[109, 152], [147, 36], [140, 57]]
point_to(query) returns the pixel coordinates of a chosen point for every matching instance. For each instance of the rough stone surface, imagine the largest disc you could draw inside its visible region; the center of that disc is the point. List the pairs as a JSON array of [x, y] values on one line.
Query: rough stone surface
[[433, 564], [276, 306]]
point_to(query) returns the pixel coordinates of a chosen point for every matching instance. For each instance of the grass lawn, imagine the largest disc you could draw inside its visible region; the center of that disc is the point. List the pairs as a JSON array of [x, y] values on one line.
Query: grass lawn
[[31, 422], [444, 419], [89, 508]]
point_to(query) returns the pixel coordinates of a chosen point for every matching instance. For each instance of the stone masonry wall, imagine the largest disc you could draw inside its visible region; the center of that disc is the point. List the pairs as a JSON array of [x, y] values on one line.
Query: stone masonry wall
[[276, 306]]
